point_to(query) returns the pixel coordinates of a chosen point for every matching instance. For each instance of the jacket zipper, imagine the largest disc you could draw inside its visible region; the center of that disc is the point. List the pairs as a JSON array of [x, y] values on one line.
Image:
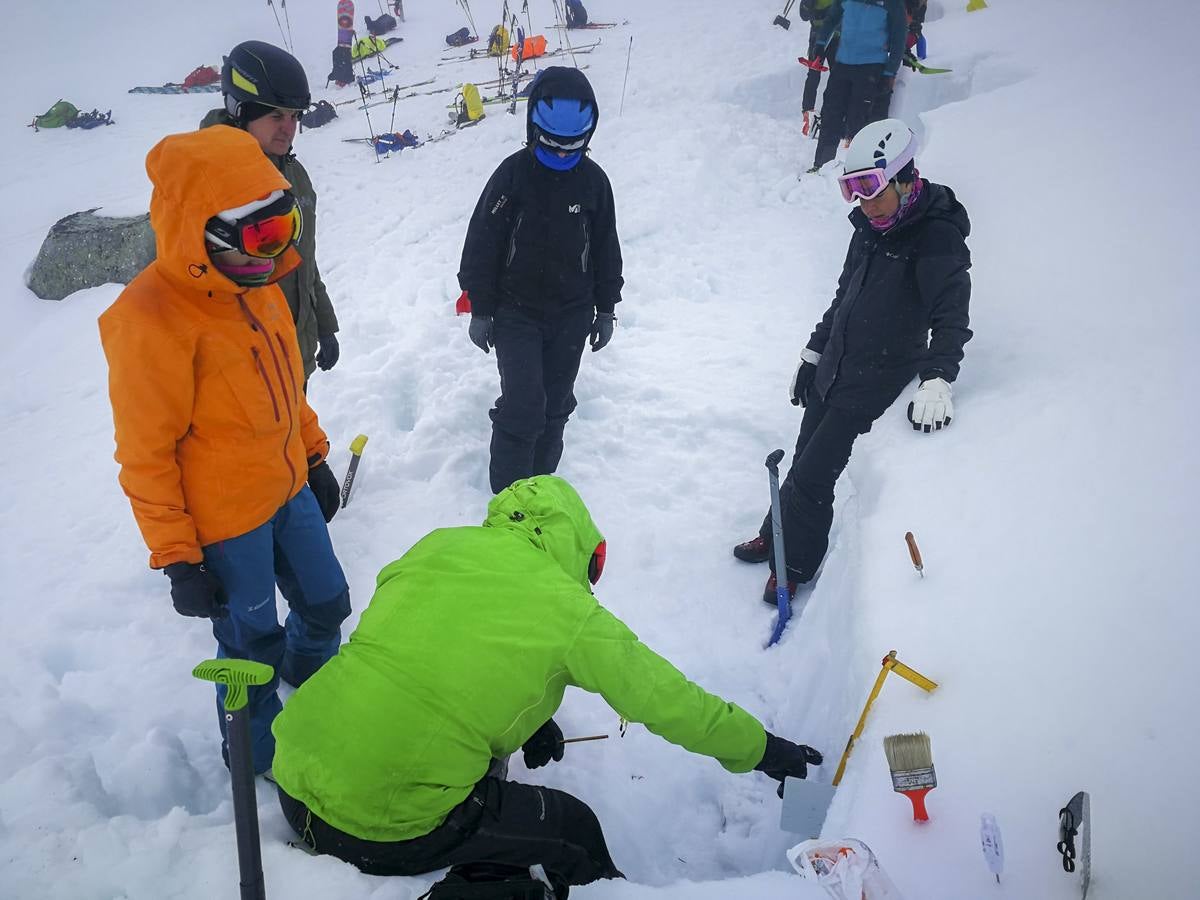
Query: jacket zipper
[[256, 325], [287, 361], [262, 370], [587, 246], [512, 240]]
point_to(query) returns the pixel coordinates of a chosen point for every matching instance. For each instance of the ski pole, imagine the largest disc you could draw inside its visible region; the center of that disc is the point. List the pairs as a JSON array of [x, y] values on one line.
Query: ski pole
[[356, 449], [624, 84], [579, 740], [782, 600], [237, 675]]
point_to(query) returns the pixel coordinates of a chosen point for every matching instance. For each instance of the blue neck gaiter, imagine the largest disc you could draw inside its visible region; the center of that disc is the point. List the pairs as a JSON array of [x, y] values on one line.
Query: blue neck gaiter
[[552, 160]]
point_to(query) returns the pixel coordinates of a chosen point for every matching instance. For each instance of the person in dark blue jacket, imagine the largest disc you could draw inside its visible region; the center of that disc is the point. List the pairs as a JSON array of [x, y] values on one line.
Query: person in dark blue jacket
[[541, 266], [863, 68], [901, 310]]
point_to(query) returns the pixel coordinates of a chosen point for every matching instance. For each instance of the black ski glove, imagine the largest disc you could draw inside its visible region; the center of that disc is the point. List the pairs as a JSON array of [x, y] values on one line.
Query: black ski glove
[[481, 332], [324, 484], [328, 352], [544, 745], [195, 591], [783, 759], [602, 330], [802, 383]]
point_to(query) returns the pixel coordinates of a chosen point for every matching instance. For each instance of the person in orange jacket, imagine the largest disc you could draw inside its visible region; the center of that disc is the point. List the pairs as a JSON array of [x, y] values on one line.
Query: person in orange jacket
[[221, 456]]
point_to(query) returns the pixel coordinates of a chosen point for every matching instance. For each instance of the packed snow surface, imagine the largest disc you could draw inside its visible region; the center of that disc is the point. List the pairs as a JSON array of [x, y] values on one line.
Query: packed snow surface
[[1057, 516]]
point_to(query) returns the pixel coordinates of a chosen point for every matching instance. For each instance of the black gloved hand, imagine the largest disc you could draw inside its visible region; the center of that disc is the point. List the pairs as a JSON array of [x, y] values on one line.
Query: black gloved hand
[[195, 591], [602, 330], [481, 332], [783, 759], [802, 383], [543, 745], [324, 484], [328, 352]]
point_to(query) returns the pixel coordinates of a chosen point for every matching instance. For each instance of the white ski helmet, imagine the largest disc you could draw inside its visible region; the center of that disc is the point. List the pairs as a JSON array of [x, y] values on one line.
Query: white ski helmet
[[888, 144]]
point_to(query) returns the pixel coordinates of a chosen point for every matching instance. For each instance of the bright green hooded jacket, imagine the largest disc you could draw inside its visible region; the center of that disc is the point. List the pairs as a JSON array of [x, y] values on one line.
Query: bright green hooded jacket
[[465, 650]]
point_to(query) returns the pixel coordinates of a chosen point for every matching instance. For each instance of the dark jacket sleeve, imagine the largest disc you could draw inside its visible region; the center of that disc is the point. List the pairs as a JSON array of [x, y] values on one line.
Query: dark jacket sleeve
[[606, 254], [487, 234], [943, 278], [820, 335], [897, 37], [327, 322]]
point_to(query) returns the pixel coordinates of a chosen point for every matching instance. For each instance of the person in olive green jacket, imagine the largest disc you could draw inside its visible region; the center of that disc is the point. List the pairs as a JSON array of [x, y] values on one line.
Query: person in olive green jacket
[[266, 92], [382, 757]]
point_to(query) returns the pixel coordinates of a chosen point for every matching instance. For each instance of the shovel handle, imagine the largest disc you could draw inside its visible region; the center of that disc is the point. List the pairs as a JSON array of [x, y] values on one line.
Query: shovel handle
[[913, 551], [773, 461]]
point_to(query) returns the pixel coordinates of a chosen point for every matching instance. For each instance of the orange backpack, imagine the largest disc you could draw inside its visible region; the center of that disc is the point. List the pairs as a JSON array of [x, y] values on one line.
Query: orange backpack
[[533, 46]]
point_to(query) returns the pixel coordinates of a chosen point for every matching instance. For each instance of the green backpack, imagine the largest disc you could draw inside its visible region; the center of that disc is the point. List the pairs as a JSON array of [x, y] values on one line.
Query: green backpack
[[56, 116]]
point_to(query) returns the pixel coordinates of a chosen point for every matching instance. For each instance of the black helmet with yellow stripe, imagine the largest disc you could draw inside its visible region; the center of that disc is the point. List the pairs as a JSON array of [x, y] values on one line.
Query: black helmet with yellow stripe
[[256, 75]]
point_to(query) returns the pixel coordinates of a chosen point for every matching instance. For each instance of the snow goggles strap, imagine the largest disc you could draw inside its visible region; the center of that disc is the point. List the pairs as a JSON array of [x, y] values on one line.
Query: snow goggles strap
[[865, 184], [264, 233], [596, 564]]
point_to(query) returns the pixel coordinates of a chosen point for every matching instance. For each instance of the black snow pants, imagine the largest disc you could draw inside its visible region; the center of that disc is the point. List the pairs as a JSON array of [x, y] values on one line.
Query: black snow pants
[[538, 355], [500, 824], [850, 102], [812, 81], [823, 448]]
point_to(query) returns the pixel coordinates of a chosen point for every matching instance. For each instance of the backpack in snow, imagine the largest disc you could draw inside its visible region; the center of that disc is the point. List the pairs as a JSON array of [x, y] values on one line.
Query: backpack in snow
[[343, 67], [56, 116], [367, 47], [202, 75], [576, 14], [320, 113], [393, 142], [498, 41], [468, 106], [91, 120], [460, 37], [381, 25]]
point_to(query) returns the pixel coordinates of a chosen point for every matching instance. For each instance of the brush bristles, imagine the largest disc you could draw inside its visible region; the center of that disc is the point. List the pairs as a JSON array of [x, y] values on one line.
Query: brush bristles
[[908, 752]]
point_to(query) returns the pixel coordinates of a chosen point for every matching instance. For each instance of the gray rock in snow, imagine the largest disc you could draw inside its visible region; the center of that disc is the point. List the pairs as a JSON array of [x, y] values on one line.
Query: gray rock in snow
[[85, 250]]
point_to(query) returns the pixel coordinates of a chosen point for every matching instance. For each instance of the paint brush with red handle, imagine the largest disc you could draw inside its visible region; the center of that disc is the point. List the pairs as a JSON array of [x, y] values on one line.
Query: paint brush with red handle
[[910, 758]]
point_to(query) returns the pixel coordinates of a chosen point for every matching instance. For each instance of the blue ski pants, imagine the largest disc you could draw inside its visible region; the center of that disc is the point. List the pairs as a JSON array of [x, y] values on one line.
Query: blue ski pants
[[292, 551]]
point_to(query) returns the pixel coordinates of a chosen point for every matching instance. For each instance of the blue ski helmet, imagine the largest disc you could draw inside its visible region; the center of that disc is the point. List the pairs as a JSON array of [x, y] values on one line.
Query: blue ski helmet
[[564, 117]]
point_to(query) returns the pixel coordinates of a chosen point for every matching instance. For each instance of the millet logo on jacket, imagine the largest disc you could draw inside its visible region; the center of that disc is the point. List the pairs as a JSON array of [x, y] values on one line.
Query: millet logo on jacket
[[574, 208]]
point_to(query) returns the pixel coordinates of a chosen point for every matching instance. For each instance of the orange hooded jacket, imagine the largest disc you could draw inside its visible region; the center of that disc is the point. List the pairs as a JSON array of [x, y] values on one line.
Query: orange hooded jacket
[[213, 431]]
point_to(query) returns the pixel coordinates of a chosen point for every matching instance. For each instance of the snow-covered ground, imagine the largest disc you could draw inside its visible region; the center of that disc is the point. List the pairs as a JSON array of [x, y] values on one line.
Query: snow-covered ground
[[1057, 516]]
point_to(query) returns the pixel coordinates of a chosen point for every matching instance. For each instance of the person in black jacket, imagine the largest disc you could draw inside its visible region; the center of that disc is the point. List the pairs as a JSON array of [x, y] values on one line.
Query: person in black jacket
[[541, 266], [901, 309]]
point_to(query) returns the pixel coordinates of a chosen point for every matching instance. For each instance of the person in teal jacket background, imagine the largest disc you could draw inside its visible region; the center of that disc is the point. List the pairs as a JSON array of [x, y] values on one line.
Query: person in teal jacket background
[[382, 757]]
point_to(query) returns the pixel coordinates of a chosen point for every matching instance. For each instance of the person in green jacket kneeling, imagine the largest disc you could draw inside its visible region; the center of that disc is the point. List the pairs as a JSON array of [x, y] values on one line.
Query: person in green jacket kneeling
[[385, 757]]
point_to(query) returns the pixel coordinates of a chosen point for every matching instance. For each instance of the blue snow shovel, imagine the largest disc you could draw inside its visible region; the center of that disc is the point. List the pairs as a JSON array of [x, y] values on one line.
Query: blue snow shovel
[[237, 675], [781, 592]]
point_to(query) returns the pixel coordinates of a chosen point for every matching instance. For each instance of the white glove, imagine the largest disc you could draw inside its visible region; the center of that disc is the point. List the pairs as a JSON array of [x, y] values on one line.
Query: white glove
[[931, 408]]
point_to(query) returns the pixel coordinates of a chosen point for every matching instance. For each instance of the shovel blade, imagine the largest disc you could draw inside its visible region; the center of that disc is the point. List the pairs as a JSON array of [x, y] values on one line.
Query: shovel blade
[[783, 23], [805, 805]]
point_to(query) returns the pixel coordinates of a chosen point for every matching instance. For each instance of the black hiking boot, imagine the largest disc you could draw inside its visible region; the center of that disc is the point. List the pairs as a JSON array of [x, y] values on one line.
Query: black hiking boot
[[756, 550]]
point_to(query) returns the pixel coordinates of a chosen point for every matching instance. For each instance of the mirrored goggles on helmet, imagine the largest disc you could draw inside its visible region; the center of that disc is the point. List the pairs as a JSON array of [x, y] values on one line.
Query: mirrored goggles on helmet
[[865, 184], [565, 144], [596, 564], [264, 233]]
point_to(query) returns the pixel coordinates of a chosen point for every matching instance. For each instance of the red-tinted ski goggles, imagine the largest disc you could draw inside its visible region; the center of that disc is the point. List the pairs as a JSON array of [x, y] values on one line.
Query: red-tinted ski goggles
[[866, 184], [264, 233], [596, 563]]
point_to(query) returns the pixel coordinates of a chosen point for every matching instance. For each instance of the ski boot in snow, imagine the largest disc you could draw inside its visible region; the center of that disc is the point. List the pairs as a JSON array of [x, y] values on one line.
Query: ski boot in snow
[[755, 550], [769, 591]]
